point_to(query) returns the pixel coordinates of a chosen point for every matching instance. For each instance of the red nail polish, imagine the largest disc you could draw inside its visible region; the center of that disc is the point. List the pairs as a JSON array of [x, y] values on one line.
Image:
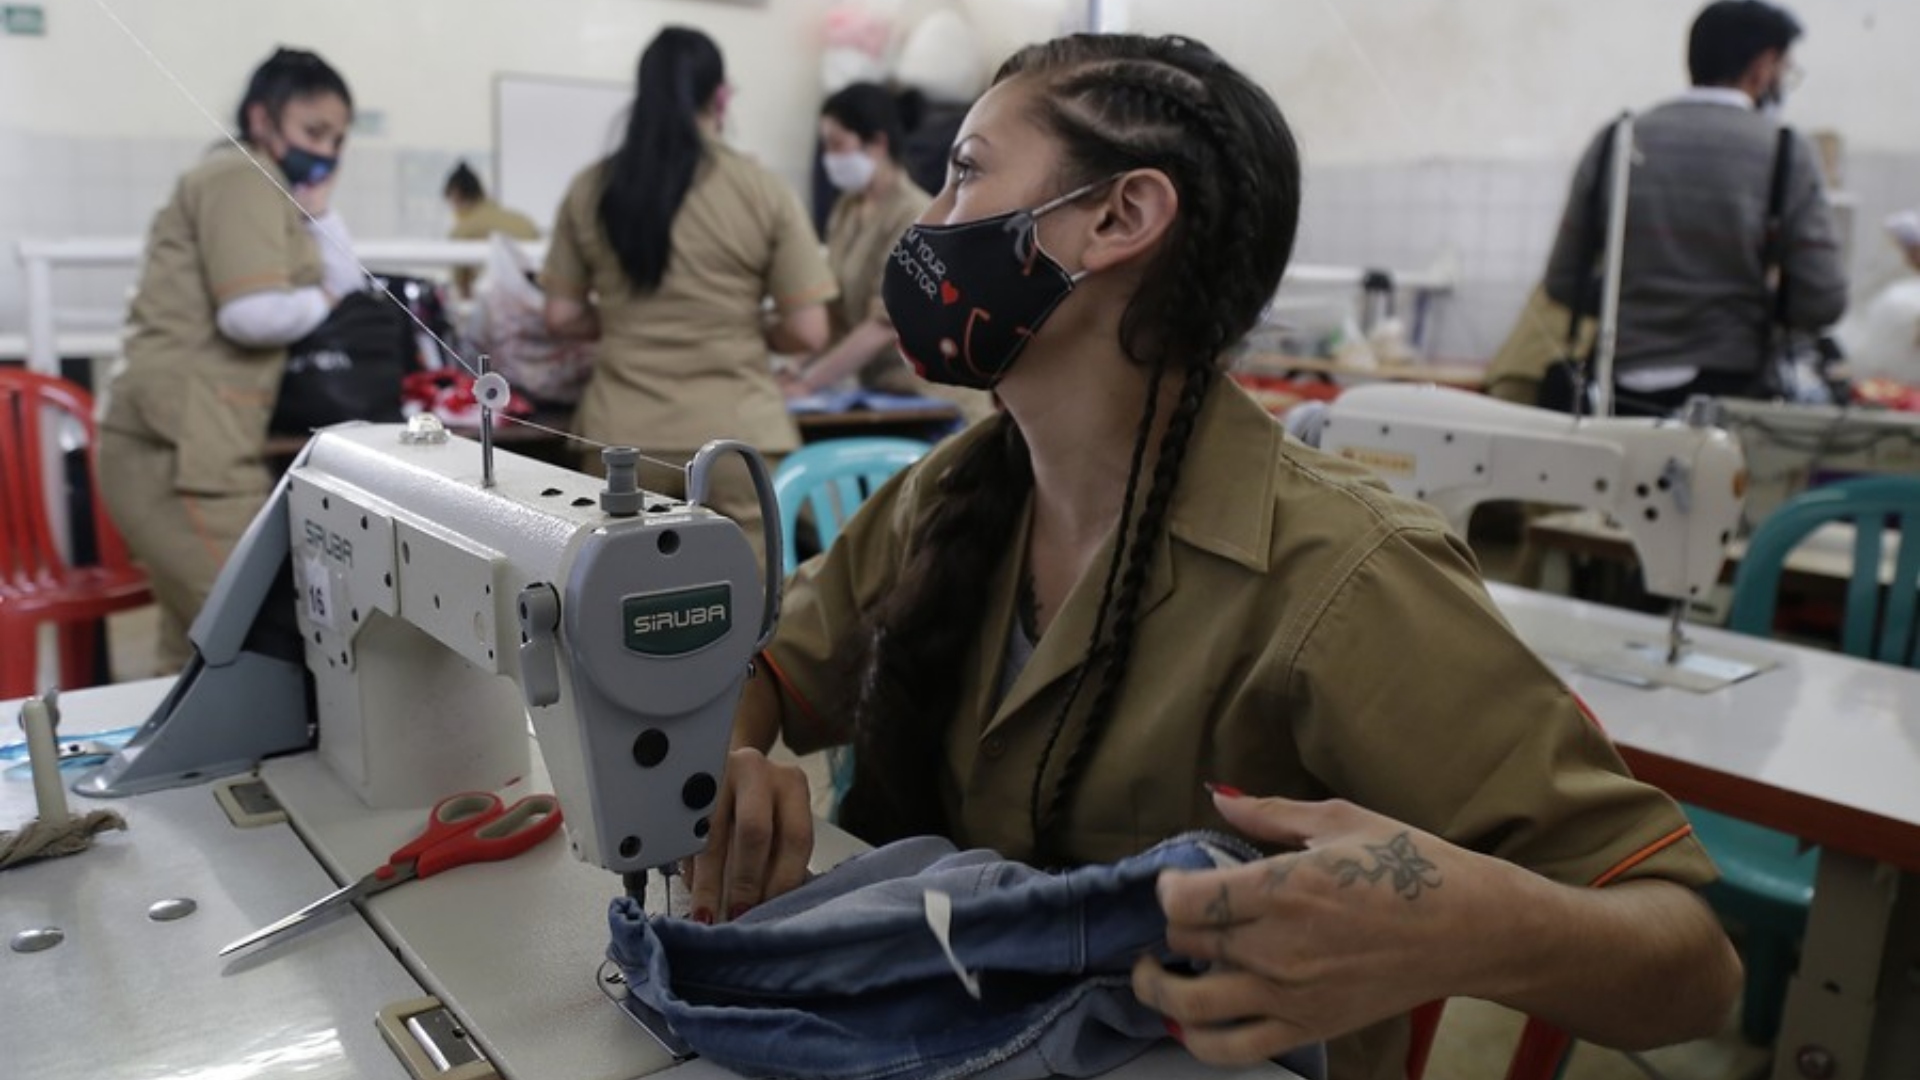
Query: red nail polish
[[1173, 1029], [1226, 790], [737, 910], [703, 916]]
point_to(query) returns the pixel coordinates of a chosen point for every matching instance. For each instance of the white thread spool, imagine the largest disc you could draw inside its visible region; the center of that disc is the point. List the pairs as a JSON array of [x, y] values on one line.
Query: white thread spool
[[44, 755], [491, 391]]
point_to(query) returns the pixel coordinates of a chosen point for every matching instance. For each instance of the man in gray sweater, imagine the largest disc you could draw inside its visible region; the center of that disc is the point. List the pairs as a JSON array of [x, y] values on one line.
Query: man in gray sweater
[[1696, 298]]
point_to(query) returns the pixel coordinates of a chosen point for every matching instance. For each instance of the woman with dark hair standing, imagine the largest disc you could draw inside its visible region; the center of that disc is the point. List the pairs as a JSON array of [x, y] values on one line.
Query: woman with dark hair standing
[[666, 252], [235, 272], [862, 138], [1094, 621]]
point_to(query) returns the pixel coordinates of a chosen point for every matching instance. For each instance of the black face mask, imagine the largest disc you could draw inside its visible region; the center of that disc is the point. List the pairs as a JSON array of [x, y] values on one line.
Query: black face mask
[[965, 299], [304, 167]]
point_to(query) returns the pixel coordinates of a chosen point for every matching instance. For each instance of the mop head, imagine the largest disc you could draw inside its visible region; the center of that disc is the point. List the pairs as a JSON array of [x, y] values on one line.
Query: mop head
[[40, 840]]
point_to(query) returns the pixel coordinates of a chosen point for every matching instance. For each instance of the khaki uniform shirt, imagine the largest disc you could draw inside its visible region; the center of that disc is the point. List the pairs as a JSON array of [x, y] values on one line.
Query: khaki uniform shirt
[[488, 217], [226, 232], [687, 362], [1302, 633], [861, 233], [485, 218]]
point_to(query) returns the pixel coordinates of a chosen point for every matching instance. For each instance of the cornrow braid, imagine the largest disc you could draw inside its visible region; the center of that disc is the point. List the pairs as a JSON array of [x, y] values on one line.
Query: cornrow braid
[[1094, 653], [1180, 317]]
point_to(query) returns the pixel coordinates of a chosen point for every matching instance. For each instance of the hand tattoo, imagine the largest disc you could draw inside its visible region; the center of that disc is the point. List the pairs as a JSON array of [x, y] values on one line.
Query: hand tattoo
[[1409, 871], [1220, 910], [1277, 874]]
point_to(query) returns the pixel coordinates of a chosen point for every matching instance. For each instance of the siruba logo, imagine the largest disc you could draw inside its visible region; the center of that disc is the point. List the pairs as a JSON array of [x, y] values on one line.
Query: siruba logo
[[677, 622], [327, 542]]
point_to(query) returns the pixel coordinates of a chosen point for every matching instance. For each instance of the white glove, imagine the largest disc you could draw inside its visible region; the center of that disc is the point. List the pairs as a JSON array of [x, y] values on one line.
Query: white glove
[[340, 273]]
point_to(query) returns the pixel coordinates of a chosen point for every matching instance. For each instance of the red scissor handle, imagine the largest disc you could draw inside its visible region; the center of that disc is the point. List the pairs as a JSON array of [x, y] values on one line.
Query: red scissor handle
[[491, 836], [452, 815]]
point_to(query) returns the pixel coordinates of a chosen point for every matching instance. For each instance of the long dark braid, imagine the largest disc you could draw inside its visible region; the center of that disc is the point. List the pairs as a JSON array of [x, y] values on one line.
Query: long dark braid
[[920, 634], [1116, 102]]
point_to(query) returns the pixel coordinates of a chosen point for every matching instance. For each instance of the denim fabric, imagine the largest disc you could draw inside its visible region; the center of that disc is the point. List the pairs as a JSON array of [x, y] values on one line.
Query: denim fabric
[[843, 979]]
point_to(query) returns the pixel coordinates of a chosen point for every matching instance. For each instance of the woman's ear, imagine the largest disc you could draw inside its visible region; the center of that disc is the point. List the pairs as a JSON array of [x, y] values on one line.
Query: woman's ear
[[1137, 212], [259, 124]]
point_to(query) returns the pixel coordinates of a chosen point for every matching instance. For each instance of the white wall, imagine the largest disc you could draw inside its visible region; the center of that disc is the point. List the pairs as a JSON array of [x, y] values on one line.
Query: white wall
[[1392, 80], [426, 65], [1449, 128], [1431, 127]]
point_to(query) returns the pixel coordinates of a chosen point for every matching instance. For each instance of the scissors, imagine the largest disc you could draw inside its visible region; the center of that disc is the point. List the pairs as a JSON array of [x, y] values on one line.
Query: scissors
[[469, 827]]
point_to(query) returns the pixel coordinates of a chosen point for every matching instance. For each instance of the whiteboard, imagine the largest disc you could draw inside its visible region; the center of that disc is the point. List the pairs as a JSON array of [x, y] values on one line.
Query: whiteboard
[[547, 129]]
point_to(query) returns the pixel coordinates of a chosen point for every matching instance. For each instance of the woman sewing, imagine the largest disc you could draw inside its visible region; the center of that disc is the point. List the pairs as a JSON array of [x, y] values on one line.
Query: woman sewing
[[1127, 606]]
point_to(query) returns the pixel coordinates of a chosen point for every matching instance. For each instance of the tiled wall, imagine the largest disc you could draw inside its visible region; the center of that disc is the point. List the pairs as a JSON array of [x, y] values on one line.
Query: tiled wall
[[56, 188], [1493, 220], [1496, 220]]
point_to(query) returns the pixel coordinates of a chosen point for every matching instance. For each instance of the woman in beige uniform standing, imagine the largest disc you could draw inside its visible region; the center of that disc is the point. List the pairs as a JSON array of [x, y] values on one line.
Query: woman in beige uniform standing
[[1097, 619], [235, 272], [862, 136], [666, 252]]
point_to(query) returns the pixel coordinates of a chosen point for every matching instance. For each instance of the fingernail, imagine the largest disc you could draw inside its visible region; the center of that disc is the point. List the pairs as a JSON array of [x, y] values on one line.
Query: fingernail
[[1226, 790], [737, 910], [703, 916], [1173, 1029]]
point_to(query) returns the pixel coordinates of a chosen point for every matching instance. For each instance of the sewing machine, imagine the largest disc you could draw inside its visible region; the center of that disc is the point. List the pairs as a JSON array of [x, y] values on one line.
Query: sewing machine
[[1674, 486], [440, 605]]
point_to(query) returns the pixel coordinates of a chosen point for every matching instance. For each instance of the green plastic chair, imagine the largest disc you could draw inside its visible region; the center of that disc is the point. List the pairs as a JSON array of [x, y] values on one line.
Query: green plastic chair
[[832, 478], [1766, 882]]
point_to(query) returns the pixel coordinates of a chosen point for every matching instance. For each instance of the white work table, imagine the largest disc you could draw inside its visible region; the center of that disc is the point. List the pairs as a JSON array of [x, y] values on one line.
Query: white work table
[[1824, 747], [125, 996]]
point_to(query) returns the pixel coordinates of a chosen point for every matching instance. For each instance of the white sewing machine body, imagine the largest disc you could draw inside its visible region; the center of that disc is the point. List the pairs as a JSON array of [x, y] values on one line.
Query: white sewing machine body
[[1674, 487], [438, 611], [619, 635]]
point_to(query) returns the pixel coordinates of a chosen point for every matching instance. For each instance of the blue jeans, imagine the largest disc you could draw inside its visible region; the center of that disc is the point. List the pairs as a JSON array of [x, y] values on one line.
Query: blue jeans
[[845, 979]]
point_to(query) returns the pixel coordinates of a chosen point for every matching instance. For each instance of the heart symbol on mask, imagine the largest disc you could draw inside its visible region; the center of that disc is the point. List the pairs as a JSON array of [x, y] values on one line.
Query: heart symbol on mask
[[949, 294]]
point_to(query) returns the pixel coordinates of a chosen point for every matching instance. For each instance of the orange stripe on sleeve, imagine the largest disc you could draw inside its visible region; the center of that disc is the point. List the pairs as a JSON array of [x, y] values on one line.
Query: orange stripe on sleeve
[[787, 688], [1642, 855]]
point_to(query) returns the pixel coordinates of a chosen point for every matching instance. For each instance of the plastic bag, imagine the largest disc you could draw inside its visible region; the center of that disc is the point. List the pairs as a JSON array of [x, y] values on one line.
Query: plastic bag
[[510, 327]]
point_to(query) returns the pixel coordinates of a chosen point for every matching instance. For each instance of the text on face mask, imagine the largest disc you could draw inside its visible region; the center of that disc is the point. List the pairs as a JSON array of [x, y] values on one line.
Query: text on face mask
[[918, 259]]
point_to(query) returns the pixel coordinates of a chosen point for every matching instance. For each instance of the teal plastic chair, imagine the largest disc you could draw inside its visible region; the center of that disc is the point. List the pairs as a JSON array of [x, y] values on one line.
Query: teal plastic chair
[[832, 478], [1766, 883]]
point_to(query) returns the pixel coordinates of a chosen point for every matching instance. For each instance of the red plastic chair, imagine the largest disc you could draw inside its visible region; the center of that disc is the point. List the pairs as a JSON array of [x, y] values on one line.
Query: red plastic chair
[[37, 585], [1540, 1055]]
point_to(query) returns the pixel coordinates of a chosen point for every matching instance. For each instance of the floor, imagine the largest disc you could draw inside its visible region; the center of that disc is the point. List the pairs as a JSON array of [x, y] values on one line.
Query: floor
[[1476, 1038]]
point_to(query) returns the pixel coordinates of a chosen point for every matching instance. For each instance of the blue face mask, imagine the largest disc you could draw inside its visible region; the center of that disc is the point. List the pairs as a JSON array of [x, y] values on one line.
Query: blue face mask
[[305, 168]]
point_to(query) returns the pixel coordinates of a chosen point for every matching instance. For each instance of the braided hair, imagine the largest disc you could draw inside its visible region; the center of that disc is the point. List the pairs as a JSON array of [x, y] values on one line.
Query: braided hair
[[1115, 102]]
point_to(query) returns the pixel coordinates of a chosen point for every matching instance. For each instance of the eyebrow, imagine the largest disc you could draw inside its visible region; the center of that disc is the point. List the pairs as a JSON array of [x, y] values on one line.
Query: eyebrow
[[970, 138]]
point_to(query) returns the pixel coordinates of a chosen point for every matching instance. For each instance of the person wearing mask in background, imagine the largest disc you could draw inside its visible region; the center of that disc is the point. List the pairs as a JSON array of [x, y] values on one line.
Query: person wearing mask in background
[[476, 217], [1696, 303], [238, 266], [1089, 623], [861, 135], [665, 253]]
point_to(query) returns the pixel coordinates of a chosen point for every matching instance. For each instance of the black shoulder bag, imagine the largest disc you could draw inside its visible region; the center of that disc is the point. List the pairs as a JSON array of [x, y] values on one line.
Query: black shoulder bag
[[348, 368]]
